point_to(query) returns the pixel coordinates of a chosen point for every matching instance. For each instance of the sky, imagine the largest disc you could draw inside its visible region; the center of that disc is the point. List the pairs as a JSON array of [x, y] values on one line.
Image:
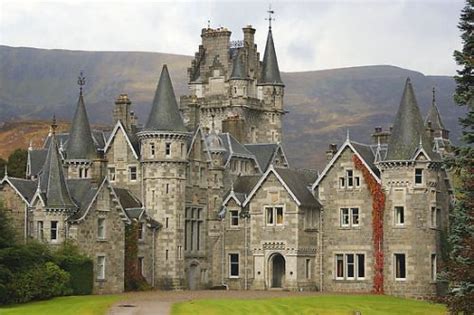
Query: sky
[[309, 35]]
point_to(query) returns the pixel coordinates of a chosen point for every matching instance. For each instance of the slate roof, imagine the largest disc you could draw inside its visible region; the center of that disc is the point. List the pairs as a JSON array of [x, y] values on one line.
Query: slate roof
[[238, 68], [365, 151], [164, 115], [52, 181], [243, 185], [25, 187], [434, 117], [234, 147], [127, 199], [408, 129], [80, 144], [299, 182], [36, 160], [270, 70], [263, 153]]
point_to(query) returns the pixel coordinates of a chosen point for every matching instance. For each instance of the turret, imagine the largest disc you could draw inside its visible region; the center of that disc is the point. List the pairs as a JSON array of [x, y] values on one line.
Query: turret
[[82, 157], [414, 187], [163, 143], [436, 129], [238, 80]]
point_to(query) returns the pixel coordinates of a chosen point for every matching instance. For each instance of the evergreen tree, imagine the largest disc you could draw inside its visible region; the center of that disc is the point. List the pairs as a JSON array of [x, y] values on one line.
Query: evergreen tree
[[17, 163], [460, 267], [2, 167]]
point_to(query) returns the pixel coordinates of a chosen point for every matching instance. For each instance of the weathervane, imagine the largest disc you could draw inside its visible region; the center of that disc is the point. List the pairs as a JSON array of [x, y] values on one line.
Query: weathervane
[[270, 18], [81, 81], [434, 95], [208, 24]]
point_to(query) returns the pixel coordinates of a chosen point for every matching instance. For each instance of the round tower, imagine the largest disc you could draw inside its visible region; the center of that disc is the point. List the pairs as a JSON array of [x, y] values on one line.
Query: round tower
[[163, 144]]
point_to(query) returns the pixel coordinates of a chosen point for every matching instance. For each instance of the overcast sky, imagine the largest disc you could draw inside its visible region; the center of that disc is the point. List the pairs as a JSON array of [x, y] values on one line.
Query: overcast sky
[[309, 35]]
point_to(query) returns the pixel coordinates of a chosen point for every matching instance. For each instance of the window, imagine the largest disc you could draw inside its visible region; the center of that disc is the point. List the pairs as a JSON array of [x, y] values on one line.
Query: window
[[166, 254], [400, 267], [350, 266], [234, 265], [141, 231], [192, 229], [168, 148], [350, 178], [182, 150], [274, 215], [54, 230], [311, 219], [418, 176], [234, 218], [308, 268], [101, 228], [167, 188], [100, 267], [433, 267], [39, 230], [111, 171], [399, 215], [342, 182], [434, 217], [166, 222], [141, 265], [133, 172], [357, 181], [152, 149], [349, 217]]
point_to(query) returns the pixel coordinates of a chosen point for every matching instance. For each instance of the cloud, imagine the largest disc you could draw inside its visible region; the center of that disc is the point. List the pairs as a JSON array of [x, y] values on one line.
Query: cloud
[[309, 35]]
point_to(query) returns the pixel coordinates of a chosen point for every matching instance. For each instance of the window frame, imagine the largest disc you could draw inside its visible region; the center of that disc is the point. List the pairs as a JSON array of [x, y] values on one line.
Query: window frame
[[102, 236], [350, 217], [434, 267], [231, 263], [418, 176], [273, 210], [40, 230], [344, 258], [101, 262], [396, 217], [141, 231], [395, 255], [167, 149], [234, 214], [131, 172], [110, 172], [56, 231]]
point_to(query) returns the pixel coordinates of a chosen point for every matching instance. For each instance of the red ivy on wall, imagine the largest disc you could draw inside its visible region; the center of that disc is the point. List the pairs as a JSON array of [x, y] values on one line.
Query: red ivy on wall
[[378, 205]]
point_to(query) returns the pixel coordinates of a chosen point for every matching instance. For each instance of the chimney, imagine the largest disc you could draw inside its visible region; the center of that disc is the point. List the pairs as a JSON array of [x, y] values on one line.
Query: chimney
[[235, 126], [331, 151]]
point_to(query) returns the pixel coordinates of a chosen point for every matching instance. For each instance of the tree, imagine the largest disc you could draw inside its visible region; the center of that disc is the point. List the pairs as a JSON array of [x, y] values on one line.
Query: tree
[[17, 163], [2, 167], [460, 267], [7, 234]]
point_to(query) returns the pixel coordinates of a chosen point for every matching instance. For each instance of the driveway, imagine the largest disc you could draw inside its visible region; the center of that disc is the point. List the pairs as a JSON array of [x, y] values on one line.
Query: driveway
[[159, 302]]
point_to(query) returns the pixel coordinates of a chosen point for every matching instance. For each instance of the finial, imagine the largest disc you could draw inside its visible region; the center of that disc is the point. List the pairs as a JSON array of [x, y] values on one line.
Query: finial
[[421, 142], [30, 147], [208, 24], [6, 170], [232, 186], [81, 81], [54, 125], [378, 142], [348, 136], [434, 96], [270, 18]]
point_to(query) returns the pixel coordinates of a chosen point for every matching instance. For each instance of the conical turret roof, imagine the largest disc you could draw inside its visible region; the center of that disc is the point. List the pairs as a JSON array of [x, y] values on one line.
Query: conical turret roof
[[238, 68], [80, 144], [270, 70], [434, 117], [164, 115], [408, 129], [52, 181]]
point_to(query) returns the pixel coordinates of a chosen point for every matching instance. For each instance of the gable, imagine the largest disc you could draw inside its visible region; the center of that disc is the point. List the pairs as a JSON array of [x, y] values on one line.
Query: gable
[[120, 143]]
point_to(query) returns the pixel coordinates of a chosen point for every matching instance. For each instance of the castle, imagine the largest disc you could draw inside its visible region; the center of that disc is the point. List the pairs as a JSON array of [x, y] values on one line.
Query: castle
[[208, 183]]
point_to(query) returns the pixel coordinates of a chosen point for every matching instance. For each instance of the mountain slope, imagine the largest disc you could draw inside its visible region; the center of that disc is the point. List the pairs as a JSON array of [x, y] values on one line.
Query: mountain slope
[[35, 83]]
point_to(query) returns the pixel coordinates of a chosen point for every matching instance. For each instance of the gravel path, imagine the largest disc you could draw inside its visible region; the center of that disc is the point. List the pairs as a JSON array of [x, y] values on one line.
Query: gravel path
[[159, 302]]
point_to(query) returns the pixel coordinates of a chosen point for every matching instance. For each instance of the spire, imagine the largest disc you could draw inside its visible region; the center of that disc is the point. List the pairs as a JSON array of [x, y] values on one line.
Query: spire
[[164, 115], [433, 115], [80, 144], [238, 68], [408, 128], [52, 180], [270, 70]]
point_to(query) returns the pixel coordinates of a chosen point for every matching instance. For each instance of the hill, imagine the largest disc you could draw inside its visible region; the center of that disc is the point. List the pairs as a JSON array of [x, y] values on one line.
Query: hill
[[322, 105]]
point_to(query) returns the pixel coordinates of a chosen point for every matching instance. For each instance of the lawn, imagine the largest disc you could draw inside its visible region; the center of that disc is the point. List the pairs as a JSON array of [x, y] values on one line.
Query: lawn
[[69, 305], [324, 304]]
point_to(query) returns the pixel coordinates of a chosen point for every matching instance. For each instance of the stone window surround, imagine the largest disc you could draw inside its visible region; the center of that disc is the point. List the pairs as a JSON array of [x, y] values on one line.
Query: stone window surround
[[101, 268], [130, 167], [434, 217], [351, 217], [419, 176], [356, 266], [111, 171], [274, 207], [433, 267], [101, 236], [229, 254], [56, 231], [141, 231], [395, 216], [394, 266], [343, 181], [231, 217]]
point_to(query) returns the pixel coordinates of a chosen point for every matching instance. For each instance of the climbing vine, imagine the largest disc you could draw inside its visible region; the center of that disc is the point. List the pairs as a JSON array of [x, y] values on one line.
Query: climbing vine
[[378, 205], [133, 279]]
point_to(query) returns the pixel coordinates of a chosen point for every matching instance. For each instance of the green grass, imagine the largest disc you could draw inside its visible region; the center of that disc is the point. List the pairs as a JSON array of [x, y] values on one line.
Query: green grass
[[69, 305], [324, 304]]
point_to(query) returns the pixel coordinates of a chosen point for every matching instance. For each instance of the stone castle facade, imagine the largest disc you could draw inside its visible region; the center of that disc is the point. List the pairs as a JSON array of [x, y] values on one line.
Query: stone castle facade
[[209, 185]]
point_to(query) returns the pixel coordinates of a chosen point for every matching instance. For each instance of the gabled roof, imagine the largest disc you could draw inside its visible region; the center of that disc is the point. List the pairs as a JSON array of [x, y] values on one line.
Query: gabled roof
[[235, 149], [362, 151], [241, 188], [238, 68], [408, 128], [127, 199], [164, 115], [52, 180], [265, 153], [132, 145], [270, 70], [80, 144], [25, 188], [296, 183]]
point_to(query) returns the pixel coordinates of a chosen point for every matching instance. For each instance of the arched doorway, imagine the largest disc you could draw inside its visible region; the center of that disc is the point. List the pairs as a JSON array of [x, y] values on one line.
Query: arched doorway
[[193, 276], [278, 271]]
